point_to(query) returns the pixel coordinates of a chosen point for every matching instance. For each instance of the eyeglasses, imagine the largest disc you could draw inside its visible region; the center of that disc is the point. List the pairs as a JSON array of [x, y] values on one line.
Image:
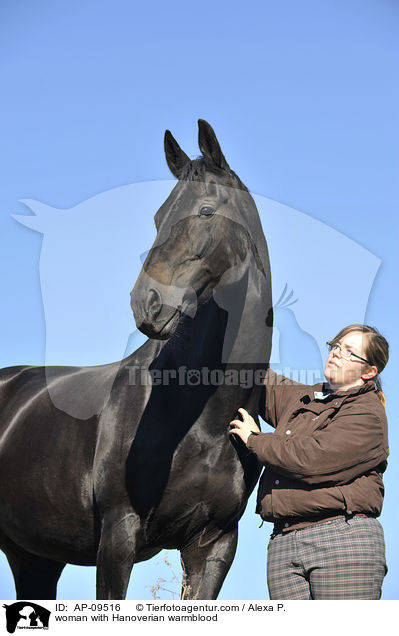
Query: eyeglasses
[[344, 352]]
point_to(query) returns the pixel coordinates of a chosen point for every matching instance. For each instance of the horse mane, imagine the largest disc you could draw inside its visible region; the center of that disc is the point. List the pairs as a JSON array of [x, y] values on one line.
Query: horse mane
[[196, 169]]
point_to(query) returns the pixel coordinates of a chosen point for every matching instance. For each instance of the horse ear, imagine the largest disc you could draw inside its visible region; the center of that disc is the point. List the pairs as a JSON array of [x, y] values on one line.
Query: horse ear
[[44, 215], [176, 158], [209, 145]]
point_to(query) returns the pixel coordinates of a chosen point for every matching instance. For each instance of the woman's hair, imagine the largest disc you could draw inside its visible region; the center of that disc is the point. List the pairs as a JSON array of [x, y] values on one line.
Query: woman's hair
[[376, 350]]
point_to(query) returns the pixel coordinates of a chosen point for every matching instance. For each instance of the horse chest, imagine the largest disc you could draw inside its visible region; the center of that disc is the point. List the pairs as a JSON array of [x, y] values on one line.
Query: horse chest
[[173, 482]]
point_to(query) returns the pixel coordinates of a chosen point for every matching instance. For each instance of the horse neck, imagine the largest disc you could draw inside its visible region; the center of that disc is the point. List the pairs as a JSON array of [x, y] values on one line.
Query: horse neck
[[230, 331], [226, 334], [247, 341]]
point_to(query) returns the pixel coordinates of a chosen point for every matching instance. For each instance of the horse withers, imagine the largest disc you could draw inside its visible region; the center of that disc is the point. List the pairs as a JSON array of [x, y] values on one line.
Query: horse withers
[[154, 466]]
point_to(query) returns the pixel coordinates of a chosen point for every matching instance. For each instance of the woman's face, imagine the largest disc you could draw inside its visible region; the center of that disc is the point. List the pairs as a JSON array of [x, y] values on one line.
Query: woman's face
[[341, 372]]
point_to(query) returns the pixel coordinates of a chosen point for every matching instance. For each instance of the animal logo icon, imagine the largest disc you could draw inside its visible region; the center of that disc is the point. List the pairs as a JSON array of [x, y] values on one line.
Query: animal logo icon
[[296, 352], [25, 614]]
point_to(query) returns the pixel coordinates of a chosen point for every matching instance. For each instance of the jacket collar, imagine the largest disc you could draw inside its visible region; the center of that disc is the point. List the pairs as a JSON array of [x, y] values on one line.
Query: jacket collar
[[321, 392], [370, 385]]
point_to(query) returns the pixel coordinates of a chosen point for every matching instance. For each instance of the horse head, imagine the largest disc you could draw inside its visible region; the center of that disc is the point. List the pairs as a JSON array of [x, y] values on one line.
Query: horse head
[[208, 230]]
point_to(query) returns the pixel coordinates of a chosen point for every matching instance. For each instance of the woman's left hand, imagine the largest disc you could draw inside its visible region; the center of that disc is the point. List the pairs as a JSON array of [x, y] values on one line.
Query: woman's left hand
[[245, 428]]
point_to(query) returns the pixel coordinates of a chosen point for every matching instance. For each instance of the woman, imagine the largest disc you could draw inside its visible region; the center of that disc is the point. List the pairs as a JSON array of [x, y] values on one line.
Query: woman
[[322, 486]]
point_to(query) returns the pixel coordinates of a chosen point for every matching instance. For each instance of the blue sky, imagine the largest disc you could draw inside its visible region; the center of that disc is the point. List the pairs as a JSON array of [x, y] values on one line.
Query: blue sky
[[304, 100]]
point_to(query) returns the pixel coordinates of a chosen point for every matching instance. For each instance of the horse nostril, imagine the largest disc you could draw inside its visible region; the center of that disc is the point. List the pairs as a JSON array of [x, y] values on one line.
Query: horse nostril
[[153, 304]]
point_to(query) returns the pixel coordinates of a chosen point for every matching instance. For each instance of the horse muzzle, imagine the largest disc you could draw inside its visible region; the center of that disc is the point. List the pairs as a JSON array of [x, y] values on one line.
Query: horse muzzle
[[157, 311]]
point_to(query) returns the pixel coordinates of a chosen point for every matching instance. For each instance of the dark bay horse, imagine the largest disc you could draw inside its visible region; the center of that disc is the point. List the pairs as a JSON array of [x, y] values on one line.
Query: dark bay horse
[[155, 467]]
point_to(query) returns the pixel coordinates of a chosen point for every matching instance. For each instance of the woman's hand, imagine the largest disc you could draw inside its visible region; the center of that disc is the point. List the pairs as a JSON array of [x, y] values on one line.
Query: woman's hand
[[245, 428]]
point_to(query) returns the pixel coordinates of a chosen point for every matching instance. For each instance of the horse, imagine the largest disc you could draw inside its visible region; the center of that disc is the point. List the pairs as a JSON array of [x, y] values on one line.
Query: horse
[[155, 466]]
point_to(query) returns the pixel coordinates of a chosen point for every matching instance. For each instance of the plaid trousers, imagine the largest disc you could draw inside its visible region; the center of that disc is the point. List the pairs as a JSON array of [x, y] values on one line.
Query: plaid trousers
[[338, 559]]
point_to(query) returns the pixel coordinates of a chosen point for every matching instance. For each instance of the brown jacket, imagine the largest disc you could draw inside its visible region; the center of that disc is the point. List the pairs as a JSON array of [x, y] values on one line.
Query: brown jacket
[[326, 456]]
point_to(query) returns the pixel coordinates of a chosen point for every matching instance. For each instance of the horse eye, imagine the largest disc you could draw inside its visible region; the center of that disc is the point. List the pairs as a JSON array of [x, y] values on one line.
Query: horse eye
[[206, 210]]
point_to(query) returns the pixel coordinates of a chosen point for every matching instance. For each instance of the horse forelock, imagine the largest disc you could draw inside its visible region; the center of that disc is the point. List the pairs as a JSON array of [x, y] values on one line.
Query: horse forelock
[[199, 169]]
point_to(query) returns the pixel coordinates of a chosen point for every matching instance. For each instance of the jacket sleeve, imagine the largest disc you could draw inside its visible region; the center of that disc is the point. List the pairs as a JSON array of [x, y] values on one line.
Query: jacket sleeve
[[352, 443], [365, 494], [276, 395]]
